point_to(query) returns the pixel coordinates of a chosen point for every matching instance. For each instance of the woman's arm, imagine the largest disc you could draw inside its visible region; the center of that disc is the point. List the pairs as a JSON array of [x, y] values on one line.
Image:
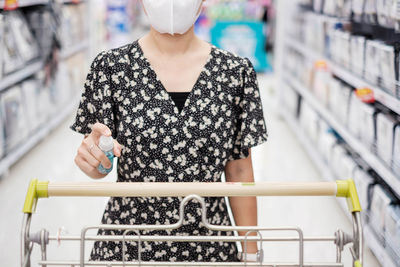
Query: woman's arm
[[244, 209]]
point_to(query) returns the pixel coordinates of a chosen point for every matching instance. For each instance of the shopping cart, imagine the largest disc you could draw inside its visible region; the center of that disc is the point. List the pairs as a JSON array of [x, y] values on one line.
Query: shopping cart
[[189, 191]]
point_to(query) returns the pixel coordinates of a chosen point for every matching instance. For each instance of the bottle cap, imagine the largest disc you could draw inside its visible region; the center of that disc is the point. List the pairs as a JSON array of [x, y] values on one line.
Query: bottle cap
[[106, 143]]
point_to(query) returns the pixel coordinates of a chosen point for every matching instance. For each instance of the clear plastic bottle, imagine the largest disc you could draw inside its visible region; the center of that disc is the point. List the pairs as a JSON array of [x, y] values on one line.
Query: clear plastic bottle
[[106, 144]]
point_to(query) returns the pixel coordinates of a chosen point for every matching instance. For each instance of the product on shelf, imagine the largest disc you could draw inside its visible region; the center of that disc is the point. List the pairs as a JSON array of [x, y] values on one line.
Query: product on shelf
[[346, 167], [354, 115], [372, 69], [396, 151], [25, 42], [326, 141], [14, 117], [2, 138], [44, 24], [2, 47], [385, 125], [309, 121], [74, 28], [381, 199], [367, 122], [357, 53], [320, 82], [392, 230], [30, 94], [357, 7], [341, 101], [370, 12], [364, 182], [11, 58]]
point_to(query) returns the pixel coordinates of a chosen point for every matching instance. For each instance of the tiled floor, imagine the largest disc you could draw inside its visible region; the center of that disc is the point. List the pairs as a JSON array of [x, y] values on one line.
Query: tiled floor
[[280, 159]]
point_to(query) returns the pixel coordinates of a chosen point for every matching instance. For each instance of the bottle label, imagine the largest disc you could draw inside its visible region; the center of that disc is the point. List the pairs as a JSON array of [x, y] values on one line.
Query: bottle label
[[103, 170]]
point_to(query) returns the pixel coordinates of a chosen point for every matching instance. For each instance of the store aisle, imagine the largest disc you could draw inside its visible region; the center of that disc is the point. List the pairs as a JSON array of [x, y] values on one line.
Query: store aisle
[[280, 159]]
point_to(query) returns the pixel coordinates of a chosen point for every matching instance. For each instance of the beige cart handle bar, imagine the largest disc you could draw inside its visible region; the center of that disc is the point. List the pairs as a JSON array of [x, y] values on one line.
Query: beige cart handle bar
[[340, 188]]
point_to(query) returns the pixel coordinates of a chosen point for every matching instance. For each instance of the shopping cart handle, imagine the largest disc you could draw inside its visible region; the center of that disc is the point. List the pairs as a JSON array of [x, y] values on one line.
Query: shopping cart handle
[[340, 188]]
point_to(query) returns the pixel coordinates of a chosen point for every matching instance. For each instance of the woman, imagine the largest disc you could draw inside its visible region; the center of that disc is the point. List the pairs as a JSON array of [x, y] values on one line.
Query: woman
[[139, 94]]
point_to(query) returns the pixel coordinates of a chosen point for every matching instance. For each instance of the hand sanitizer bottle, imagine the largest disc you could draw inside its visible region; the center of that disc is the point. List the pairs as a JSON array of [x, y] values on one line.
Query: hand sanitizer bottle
[[106, 144]]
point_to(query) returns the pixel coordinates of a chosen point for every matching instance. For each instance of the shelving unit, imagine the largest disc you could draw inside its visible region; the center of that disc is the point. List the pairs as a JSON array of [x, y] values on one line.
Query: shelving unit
[[324, 169], [26, 71], [369, 157], [380, 95], [20, 75], [379, 251], [26, 3], [34, 139]]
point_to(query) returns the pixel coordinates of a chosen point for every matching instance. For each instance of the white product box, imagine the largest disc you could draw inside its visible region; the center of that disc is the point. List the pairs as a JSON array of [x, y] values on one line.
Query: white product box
[[380, 201], [354, 115], [2, 138], [392, 228], [334, 91], [321, 84], [367, 124], [2, 48], [344, 50], [357, 7], [387, 65], [357, 54], [363, 180], [11, 58], [14, 117], [385, 124], [26, 43], [338, 152], [346, 167], [342, 104], [30, 94], [396, 151], [372, 65], [309, 121], [370, 11], [325, 143]]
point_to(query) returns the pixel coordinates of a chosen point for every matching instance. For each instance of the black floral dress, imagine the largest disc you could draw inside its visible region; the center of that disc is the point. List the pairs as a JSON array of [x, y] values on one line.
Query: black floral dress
[[221, 119]]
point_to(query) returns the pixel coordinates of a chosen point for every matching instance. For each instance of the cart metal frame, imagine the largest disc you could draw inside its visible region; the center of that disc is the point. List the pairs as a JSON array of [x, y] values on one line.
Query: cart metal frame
[[190, 191]]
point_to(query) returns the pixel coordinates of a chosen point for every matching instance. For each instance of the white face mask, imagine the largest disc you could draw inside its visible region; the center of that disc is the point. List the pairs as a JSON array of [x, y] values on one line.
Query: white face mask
[[172, 16]]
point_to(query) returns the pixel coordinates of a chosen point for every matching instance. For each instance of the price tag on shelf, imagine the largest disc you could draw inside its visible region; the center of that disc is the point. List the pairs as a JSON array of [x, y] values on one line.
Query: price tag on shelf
[[10, 4], [366, 95]]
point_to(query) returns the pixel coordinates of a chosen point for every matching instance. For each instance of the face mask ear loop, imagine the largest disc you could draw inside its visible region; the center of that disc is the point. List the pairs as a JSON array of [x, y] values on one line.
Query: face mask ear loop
[[172, 17]]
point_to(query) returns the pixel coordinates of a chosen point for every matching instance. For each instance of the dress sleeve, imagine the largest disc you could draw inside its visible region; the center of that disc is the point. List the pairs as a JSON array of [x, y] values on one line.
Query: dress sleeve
[[96, 104], [251, 130]]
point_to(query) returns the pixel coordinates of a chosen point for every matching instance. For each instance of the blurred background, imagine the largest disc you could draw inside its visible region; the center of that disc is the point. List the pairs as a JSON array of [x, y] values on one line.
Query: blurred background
[[328, 73]]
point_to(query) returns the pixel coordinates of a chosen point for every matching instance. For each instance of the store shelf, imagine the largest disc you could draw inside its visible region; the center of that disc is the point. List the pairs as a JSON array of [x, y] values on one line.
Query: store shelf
[[369, 236], [21, 150], [372, 160], [26, 3], [314, 155], [380, 95], [70, 51], [20, 75], [373, 243]]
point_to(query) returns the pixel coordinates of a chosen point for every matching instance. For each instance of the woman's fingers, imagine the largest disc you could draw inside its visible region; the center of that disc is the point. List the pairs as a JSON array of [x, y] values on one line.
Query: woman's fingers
[[88, 157], [95, 151], [84, 165], [99, 129]]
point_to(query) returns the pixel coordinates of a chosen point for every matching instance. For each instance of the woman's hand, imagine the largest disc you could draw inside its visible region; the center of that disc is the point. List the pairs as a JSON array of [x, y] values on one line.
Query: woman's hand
[[89, 155]]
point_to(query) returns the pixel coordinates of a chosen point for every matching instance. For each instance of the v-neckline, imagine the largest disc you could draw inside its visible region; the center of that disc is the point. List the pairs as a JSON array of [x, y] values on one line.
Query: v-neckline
[[164, 90]]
